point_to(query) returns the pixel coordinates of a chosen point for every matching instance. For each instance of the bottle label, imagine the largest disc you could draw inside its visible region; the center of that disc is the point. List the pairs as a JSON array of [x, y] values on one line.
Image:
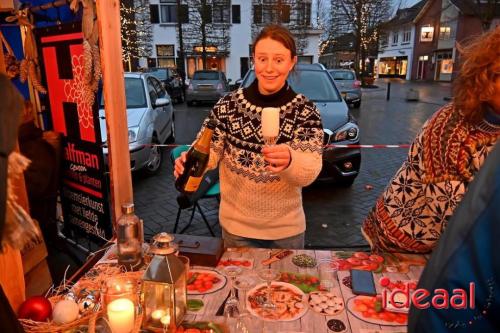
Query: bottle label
[[192, 184]]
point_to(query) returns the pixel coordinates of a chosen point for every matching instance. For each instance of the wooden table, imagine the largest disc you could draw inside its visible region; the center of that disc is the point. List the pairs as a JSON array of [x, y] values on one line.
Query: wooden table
[[311, 321]]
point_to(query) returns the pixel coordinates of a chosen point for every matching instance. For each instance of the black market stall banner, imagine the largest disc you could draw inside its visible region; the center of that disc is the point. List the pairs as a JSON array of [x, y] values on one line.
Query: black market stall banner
[[84, 192]]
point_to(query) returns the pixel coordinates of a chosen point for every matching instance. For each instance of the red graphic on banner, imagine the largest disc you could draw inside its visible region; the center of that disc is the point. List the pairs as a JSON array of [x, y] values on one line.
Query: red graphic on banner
[[68, 91]]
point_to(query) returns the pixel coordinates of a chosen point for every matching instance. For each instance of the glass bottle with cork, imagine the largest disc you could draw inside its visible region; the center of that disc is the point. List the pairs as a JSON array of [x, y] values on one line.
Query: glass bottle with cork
[[196, 161], [130, 236]]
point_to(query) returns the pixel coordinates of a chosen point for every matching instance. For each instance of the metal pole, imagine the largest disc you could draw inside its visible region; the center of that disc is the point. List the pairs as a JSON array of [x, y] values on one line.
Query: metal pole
[[388, 91]]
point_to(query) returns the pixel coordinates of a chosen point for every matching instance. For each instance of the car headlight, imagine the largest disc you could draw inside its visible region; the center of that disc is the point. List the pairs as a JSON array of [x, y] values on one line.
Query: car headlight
[[132, 134], [347, 132]]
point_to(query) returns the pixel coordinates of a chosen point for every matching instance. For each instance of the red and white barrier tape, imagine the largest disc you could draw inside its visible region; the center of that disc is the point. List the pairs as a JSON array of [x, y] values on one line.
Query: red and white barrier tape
[[368, 146], [326, 146]]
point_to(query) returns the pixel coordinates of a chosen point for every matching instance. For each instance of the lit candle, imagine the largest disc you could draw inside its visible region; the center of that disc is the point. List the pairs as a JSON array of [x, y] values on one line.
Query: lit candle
[[156, 315], [121, 315], [165, 320]]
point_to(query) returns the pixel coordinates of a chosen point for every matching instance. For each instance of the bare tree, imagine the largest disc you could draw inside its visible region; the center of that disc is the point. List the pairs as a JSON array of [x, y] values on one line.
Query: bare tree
[[293, 14], [362, 18], [137, 32], [209, 22]]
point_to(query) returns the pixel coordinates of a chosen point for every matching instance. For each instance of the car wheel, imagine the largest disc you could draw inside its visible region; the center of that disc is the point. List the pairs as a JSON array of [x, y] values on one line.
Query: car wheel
[[347, 181], [155, 158], [357, 104], [171, 138]]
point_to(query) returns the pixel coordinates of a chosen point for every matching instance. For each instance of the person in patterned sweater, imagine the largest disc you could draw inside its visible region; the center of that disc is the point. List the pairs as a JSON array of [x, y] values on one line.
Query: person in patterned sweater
[[261, 186], [413, 211]]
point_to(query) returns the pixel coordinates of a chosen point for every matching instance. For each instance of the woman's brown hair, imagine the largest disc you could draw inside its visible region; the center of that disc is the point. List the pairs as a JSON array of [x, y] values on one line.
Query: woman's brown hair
[[480, 69], [278, 33]]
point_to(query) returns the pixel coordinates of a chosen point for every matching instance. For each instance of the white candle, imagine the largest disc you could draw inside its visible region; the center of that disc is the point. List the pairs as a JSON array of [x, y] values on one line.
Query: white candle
[[270, 119], [165, 320], [121, 315]]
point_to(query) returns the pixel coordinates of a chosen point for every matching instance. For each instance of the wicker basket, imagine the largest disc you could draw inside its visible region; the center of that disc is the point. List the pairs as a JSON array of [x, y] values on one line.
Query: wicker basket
[[92, 281], [31, 326]]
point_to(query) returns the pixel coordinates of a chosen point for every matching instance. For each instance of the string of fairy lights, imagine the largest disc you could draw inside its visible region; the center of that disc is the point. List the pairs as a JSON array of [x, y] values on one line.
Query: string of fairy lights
[[136, 30]]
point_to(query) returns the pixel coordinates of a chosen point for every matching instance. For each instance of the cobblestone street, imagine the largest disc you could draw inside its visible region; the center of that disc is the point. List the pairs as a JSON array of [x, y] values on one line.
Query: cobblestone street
[[334, 214]]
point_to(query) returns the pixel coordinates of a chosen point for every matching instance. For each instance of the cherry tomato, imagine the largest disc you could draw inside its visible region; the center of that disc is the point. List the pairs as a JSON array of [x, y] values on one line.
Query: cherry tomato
[[384, 281]]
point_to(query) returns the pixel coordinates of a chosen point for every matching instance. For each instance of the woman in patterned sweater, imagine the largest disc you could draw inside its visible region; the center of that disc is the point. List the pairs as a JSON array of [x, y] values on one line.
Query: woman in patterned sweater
[[414, 209], [261, 186]]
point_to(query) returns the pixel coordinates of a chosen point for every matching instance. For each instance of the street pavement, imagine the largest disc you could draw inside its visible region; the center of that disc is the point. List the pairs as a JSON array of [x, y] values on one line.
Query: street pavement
[[334, 214]]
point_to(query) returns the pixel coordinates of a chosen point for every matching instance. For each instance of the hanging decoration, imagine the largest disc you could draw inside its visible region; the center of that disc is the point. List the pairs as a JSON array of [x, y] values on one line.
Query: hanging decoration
[[11, 63], [91, 56], [29, 67], [20, 229]]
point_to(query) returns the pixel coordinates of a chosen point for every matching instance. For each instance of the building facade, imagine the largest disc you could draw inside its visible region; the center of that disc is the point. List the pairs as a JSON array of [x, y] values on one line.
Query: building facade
[[396, 42], [443, 25], [228, 28]]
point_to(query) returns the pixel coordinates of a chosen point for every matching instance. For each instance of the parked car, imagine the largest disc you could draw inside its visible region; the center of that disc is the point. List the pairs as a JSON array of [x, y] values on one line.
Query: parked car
[[312, 80], [348, 84], [150, 120], [207, 86], [171, 80]]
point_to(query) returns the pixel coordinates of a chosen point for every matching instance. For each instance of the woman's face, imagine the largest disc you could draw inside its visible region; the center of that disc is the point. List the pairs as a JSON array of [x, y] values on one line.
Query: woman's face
[[273, 62]]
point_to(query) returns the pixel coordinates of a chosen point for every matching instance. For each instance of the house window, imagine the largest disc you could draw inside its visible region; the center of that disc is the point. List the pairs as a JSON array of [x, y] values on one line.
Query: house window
[[257, 14], [165, 55], [168, 11], [384, 41], [236, 13], [220, 14], [304, 17], [444, 32], [395, 37], [285, 13], [406, 36]]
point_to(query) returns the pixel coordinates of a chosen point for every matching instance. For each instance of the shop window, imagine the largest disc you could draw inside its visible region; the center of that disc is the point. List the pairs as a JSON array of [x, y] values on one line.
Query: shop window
[[165, 55], [444, 33], [236, 13]]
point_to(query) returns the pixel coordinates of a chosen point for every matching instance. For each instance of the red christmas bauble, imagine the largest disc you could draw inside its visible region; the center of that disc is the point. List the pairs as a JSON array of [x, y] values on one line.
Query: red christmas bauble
[[36, 308]]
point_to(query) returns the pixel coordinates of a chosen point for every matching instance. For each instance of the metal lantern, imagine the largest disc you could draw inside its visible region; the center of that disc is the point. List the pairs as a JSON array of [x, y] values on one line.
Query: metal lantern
[[164, 286]]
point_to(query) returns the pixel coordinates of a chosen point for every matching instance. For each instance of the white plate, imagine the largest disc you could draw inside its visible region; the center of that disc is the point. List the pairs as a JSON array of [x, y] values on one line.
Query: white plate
[[216, 287], [291, 308]]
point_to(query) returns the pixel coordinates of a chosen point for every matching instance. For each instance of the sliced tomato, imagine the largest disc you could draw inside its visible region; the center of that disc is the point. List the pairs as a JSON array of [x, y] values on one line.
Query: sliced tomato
[[247, 263], [354, 261], [361, 255], [376, 258]]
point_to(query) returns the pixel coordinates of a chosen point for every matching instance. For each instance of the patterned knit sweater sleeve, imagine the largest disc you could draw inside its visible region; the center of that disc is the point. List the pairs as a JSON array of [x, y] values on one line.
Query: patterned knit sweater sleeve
[[305, 147]]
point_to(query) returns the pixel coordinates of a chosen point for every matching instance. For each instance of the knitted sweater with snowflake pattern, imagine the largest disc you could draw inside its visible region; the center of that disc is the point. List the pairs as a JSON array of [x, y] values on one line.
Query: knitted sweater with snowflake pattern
[[256, 204]]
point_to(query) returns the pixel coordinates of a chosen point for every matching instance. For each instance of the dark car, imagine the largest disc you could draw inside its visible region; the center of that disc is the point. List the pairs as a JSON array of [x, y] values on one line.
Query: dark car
[[171, 81], [207, 86], [348, 84], [313, 80]]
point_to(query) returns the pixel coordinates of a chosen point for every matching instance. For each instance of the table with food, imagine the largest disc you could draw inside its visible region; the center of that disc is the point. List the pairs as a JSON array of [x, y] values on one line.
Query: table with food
[[244, 290]]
